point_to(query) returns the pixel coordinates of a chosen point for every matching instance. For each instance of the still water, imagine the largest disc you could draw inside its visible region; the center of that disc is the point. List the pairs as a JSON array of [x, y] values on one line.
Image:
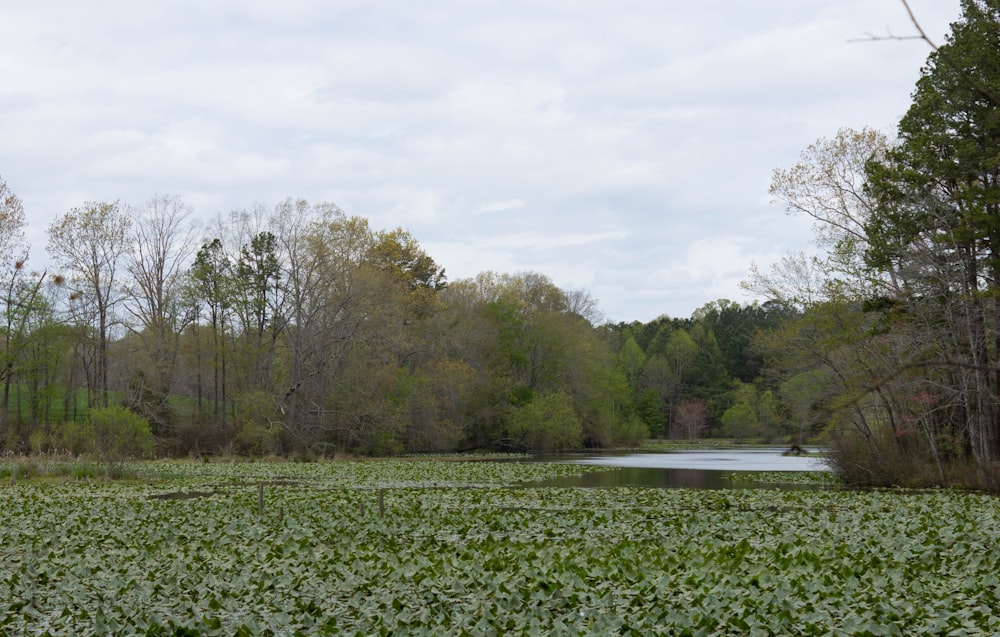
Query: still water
[[699, 469]]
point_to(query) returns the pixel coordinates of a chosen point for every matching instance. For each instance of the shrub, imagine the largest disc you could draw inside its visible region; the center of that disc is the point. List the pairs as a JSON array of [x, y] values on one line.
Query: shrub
[[630, 431], [891, 458], [255, 440], [77, 437], [547, 423], [119, 435]]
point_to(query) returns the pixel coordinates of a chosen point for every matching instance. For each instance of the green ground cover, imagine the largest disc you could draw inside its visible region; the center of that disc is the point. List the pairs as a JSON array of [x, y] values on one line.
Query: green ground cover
[[435, 547]]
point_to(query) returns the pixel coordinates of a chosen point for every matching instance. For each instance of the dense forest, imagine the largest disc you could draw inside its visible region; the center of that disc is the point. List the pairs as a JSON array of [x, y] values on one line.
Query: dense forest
[[303, 329]]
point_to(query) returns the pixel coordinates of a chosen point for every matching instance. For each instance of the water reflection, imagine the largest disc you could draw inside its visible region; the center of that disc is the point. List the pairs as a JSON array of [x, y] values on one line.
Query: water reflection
[[711, 460], [700, 469]]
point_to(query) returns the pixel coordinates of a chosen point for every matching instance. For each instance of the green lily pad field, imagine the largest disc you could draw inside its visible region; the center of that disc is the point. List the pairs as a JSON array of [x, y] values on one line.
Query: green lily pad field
[[431, 547]]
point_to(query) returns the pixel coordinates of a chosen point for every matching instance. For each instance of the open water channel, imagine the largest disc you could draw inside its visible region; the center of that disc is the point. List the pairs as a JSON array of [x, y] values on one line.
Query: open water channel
[[697, 469]]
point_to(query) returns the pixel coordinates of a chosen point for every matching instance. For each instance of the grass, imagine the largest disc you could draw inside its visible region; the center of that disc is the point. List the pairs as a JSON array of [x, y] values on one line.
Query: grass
[[439, 547]]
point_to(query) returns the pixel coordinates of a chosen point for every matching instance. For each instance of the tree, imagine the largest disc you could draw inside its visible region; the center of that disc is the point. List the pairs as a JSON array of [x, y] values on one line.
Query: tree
[[804, 394], [43, 367], [89, 243], [23, 304], [210, 278], [259, 297], [938, 217], [692, 418], [829, 184], [161, 244], [345, 338], [548, 423], [904, 304], [397, 253], [668, 369], [753, 414], [11, 222], [735, 327], [14, 255]]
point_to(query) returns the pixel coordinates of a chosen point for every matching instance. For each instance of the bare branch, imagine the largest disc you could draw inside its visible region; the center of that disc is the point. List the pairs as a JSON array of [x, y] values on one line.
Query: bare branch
[[889, 35], [871, 37], [920, 29]]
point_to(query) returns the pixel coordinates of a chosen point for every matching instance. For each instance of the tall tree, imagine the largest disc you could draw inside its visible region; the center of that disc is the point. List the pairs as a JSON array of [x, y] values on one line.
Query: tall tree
[[210, 277], [13, 253], [161, 244], [89, 243], [938, 217], [829, 184], [259, 299]]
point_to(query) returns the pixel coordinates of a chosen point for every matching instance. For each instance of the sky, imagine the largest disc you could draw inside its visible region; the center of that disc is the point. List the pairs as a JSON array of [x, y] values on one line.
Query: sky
[[624, 148]]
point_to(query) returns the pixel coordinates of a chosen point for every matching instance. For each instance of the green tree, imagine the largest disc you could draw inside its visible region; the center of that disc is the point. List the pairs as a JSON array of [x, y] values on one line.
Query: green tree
[[89, 243], [24, 307], [211, 276], [668, 370], [161, 244], [753, 414], [13, 254], [398, 253], [345, 339], [938, 223], [258, 295], [547, 423]]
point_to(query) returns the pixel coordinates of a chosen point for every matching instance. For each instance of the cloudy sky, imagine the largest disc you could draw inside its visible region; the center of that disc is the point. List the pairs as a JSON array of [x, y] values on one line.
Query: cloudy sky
[[620, 147]]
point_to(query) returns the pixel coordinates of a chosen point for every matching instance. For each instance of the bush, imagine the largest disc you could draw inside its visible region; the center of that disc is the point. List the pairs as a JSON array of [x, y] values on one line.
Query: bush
[[630, 431], [119, 435], [255, 440], [901, 459], [77, 437], [547, 423]]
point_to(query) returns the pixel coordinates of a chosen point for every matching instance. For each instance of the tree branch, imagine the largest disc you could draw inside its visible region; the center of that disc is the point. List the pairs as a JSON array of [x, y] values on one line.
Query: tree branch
[[890, 36], [920, 29]]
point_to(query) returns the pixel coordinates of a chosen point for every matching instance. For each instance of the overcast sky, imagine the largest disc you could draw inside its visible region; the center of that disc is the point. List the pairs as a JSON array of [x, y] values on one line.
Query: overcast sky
[[621, 147]]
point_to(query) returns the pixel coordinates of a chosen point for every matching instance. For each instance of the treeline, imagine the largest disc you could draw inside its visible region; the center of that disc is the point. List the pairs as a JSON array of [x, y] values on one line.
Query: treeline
[[303, 328]]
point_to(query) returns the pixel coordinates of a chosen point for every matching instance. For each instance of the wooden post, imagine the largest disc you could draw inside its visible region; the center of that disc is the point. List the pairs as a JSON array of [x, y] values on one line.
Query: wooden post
[[260, 499], [381, 503]]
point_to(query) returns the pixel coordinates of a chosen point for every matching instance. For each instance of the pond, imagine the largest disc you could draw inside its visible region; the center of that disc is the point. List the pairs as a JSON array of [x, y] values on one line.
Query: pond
[[691, 469]]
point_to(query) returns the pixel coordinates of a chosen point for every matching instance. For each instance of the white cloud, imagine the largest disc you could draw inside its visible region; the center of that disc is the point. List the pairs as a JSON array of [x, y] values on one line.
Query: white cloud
[[624, 148], [501, 206]]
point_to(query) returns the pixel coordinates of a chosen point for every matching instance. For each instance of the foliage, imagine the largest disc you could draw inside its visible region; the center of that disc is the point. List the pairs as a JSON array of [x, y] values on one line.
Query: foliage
[[547, 423], [307, 331], [89, 243], [192, 555], [753, 414], [895, 344], [937, 222], [119, 436]]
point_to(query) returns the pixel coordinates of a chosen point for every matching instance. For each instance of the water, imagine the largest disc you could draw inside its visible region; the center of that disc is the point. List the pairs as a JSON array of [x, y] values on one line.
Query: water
[[699, 469]]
